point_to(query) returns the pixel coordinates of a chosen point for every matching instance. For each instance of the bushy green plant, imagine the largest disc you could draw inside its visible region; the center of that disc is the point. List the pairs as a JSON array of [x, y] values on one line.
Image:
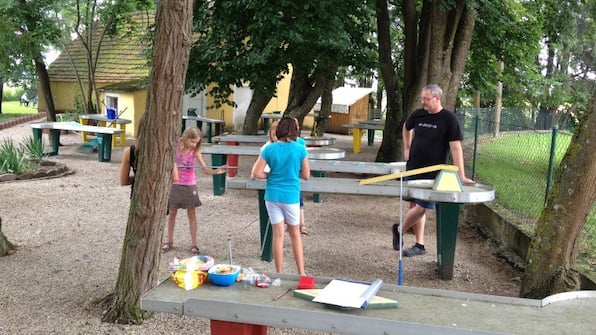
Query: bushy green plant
[[13, 158], [33, 149]]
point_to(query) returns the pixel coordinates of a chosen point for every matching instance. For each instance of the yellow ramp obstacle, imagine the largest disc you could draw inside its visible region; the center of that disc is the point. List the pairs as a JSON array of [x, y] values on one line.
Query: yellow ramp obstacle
[[444, 167]]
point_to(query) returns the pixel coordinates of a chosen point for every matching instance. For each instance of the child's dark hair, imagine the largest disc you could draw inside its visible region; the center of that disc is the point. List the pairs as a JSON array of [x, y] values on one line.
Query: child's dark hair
[[286, 129]]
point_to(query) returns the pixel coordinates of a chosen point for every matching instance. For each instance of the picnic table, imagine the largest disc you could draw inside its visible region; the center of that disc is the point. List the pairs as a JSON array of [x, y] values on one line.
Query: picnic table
[[448, 205], [104, 136], [251, 310], [371, 133], [104, 121], [211, 123], [267, 117], [357, 129], [232, 160], [219, 157]]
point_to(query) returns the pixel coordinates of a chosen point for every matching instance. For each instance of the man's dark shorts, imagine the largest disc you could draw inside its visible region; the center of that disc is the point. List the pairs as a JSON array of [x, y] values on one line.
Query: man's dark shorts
[[425, 204]]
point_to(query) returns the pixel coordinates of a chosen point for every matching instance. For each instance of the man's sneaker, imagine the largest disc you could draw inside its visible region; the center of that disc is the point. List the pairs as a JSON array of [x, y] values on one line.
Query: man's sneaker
[[415, 250], [396, 241]]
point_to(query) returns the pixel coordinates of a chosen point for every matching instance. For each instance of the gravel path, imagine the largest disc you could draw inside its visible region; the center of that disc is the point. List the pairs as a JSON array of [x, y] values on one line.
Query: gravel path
[[69, 233]]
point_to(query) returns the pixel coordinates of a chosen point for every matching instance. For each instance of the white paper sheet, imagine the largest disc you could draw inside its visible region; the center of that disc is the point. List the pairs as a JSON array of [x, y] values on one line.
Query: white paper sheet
[[346, 293]]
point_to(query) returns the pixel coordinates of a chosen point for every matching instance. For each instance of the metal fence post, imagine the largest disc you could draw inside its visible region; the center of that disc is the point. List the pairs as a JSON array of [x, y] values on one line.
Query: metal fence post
[[551, 161], [476, 120]]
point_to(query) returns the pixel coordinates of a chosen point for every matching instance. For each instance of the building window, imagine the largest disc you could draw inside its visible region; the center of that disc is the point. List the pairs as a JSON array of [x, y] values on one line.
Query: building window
[[111, 101]]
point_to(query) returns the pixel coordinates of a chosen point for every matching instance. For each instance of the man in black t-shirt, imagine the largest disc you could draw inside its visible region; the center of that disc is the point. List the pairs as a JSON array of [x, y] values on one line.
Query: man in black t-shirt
[[429, 135]]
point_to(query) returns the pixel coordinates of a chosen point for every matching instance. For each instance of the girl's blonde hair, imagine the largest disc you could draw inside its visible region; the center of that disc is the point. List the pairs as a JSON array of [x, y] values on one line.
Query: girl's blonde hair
[[272, 130], [140, 127], [191, 134]]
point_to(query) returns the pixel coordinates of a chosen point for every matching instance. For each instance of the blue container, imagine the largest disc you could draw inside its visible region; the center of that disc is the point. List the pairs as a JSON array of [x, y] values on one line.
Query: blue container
[[111, 113], [224, 274]]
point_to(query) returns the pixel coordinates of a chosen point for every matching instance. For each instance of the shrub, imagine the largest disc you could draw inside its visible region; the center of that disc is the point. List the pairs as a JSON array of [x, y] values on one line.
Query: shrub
[[22, 158], [12, 157], [33, 149]]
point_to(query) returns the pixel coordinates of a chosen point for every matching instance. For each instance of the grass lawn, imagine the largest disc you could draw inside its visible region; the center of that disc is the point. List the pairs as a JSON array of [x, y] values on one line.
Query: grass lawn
[[516, 166], [13, 109]]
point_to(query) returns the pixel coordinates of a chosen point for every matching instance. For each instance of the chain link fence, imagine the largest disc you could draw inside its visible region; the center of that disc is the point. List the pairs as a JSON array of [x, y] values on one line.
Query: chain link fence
[[518, 155]]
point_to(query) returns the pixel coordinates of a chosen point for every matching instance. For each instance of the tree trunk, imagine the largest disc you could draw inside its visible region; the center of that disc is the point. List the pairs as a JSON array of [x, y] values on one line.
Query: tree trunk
[[443, 45], [304, 91], [258, 102], [554, 248], [318, 129], [141, 253], [46, 89], [391, 148], [6, 248]]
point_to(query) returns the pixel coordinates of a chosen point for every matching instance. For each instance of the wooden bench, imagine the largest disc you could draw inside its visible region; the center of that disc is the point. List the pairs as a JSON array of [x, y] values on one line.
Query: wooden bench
[[357, 129], [210, 122], [447, 207], [117, 141], [104, 136]]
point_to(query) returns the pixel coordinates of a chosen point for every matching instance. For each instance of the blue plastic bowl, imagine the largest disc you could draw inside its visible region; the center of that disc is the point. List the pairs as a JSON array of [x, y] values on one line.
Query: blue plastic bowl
[[224, 274]]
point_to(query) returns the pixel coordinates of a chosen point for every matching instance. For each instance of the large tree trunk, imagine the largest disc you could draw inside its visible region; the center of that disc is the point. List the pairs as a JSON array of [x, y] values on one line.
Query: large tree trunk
[[304, 91], [46, 89], [6, 248], [141, 253], [258, 102], [444, 38], [321, 120], [554, 248], [391, 148]]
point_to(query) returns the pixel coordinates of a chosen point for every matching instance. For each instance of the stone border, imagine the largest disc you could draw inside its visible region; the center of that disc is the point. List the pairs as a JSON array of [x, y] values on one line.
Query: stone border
[[45, 170], [22, 119]]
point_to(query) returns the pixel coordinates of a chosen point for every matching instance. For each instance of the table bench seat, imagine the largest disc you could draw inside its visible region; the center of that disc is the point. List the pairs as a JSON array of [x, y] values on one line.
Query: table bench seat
[[104, 136]]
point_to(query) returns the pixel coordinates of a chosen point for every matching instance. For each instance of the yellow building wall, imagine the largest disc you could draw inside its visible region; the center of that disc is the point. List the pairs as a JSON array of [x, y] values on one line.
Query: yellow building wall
[[134, 104]]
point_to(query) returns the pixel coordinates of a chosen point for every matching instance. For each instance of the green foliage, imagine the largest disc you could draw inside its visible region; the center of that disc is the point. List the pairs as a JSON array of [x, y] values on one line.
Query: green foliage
[[508, 32], [254, 41], [33, 149], [21, 158], [13, 158]]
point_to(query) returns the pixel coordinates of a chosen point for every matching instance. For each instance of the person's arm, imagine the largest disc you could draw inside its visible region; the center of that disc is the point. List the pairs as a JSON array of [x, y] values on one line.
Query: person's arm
[[175, 173], [204, 167], [258, 169], [305, 169], [407, 139], [457, 154], [124, 174]]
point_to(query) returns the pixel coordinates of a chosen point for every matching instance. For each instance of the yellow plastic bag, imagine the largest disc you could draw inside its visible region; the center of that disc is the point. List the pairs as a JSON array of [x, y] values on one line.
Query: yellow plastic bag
[[189, 280]]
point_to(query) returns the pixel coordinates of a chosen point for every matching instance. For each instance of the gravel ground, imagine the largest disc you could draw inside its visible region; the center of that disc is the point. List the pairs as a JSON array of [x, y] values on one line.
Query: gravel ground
[[69, 234]]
